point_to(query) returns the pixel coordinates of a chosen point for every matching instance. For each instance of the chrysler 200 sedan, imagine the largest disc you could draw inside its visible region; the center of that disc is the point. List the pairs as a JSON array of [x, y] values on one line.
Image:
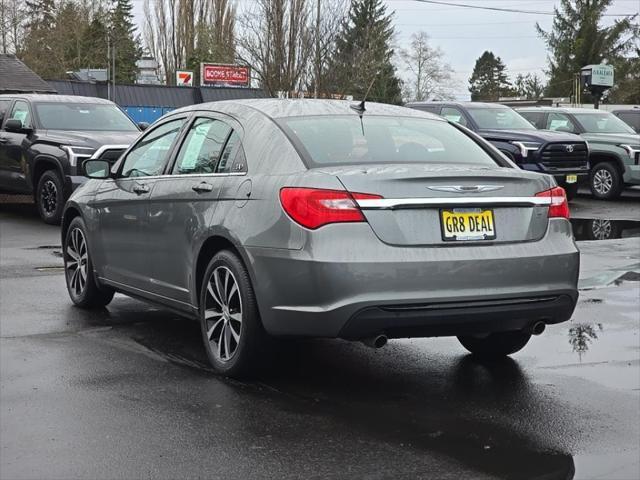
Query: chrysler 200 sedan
[[284, 218]]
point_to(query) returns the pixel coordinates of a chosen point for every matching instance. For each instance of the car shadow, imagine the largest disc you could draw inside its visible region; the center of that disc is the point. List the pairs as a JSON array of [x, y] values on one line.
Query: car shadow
[[486, 415]]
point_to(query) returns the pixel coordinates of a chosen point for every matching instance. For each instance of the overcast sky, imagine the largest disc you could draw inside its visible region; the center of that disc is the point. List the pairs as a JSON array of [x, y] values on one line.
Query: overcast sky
[[464, 33]]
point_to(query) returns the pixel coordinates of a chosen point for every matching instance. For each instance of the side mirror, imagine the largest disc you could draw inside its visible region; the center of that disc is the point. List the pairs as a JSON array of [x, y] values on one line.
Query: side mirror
[[96, 169], [143, 126], [15, 125]]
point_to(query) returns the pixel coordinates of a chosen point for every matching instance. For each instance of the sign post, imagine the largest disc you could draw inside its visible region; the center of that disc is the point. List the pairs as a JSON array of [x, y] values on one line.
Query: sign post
[[596, 79], [224, 75]]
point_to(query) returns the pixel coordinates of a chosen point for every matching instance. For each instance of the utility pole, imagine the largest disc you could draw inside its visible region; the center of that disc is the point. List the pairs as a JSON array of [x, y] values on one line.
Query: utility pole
[[108, 63], [113, 71], [315, 84]]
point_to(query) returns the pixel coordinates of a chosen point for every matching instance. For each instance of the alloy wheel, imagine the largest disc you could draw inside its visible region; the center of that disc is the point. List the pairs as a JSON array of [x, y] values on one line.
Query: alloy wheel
[[49, 197], [223, 314], [76, 261], [602, 181], [601, 229]]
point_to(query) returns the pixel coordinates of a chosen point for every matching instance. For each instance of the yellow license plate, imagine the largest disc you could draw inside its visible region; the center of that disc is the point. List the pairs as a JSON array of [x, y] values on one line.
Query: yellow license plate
[[467, 224], [572, 178]]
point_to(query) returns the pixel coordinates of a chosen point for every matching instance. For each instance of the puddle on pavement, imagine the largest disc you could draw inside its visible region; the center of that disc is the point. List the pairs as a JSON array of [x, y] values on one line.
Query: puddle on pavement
[[602, 229]]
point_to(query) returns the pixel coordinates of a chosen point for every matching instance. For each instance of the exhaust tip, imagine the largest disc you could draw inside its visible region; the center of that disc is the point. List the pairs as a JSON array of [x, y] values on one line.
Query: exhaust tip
[[377, 341], [538, 327]]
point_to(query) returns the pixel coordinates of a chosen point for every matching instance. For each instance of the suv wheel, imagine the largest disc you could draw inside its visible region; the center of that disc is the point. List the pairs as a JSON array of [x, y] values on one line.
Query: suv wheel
[[230, 323], [496, 344], [605, 181], [50, 197], [78, 269]]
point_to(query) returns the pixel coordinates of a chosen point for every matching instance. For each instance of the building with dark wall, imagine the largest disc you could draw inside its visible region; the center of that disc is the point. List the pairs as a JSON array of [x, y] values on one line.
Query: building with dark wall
[[147, 103], [16, 77]]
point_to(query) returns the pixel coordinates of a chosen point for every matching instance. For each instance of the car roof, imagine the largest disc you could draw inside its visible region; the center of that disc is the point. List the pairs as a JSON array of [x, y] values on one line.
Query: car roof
[[459, 104], [53, 98], [282, 108], [561, 110]]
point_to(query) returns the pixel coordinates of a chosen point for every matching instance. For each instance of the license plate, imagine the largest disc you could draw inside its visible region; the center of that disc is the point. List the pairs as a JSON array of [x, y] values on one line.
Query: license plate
[[467, 224], [572, 178]]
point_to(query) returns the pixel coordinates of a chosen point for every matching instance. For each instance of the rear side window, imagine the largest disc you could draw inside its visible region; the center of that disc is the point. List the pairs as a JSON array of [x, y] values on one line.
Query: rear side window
[[454, 115], [630, 118], [536, 119], [345, 140]]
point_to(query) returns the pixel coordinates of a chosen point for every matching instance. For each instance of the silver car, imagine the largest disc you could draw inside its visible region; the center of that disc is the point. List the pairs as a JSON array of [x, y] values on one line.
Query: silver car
[[318, 218]]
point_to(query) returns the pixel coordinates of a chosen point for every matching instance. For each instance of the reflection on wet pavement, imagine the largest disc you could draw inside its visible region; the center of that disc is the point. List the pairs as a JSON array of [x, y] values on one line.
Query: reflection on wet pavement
[[581, 335], [601, 229]]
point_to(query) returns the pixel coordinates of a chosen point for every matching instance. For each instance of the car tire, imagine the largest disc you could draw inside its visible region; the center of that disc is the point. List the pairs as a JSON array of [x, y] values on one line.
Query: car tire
[[571, 189], [497, 344], [49, 197], [605, 180], [83, 289], [232, 330]]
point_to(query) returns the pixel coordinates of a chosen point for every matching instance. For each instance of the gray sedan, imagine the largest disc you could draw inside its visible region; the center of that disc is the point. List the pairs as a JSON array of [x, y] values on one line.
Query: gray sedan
[[282, 218]]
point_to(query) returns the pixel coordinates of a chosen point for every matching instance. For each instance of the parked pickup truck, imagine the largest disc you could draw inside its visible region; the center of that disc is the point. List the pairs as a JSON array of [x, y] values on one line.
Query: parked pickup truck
[[614, 146], [45, 138], [563, 155]]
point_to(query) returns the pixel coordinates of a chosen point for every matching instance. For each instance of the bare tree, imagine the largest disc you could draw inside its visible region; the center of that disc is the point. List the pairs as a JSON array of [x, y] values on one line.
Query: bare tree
[[428, 76], [12, 25], [275, 40], [183, 33]]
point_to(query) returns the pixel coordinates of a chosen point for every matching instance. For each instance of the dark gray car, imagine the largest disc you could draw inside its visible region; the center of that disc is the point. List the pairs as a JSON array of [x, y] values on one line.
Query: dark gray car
[[311, 218]]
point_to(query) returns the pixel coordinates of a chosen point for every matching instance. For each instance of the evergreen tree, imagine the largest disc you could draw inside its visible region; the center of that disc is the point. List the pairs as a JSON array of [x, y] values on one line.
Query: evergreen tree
[[489, 80], [364, 55], [528, 86], [37, 49], [576, 39], [126, 42]]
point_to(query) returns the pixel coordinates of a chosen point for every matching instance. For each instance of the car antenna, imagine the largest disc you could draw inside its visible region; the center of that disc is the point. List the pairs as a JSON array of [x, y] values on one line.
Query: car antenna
[[360, 107]]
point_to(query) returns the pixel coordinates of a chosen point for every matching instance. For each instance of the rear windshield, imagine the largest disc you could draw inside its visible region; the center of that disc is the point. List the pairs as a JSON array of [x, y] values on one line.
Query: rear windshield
[[604, 122], [83, 116], [344, 140], [499, 119]]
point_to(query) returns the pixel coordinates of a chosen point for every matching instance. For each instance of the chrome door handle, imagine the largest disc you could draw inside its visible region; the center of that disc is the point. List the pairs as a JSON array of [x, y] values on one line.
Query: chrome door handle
[[202, 187], [140, 189], [4, 139]]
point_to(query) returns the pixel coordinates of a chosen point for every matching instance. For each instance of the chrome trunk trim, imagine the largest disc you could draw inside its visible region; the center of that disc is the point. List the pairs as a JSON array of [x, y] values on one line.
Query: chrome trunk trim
[[393, 203]]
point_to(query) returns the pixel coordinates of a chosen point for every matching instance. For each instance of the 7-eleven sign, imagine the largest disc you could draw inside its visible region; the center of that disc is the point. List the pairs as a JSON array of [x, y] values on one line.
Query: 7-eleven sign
[[184, 78]]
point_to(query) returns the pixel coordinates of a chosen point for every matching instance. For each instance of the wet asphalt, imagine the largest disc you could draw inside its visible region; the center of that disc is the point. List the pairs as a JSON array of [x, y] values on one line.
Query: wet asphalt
[[126, 392]]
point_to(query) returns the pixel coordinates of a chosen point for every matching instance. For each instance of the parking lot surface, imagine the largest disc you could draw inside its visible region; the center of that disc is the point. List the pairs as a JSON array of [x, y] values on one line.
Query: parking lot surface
[[126, 392]]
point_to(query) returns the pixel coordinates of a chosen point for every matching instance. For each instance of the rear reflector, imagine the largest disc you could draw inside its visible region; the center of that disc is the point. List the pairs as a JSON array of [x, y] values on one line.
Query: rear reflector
[[313, 207], [559, 207]]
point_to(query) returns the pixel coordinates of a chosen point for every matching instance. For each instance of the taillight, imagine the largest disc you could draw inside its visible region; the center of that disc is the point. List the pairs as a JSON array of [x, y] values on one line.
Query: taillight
[[313, 207], [559, 207]]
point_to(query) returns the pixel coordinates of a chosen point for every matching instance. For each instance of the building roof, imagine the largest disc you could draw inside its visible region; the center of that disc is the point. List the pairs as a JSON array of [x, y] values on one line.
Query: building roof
[[16, 77], [155, 95]]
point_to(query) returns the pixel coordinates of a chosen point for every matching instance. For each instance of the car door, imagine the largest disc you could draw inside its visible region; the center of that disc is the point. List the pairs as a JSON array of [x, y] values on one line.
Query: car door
[[184, 201], [12, 146], [122, 204]]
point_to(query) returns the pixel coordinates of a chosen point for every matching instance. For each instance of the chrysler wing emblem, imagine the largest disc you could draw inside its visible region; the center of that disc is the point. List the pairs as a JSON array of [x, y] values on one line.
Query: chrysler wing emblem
[[465, 188], [569, 148]]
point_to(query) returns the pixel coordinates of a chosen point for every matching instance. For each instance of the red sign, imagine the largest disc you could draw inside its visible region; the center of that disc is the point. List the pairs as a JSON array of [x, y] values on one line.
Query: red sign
[[224, 75]]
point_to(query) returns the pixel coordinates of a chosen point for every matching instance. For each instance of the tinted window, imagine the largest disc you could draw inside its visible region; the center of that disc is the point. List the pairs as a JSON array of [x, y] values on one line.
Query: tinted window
[[149, 155], [344, 140], [603, 122], [4, 106], [201, 150], [499, 119], [630, 118], [428, 108], [535, 118], [83, 116], [561, 123], [454, 115], [232, 159], [21, 112]]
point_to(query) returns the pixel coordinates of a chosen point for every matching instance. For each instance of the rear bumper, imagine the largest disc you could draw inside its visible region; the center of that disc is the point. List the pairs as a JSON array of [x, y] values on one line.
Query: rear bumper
[[347, 283]]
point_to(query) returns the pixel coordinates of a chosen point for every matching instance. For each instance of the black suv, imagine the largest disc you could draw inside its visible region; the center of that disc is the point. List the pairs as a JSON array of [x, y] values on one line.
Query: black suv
[[45, 138], [563, 155]]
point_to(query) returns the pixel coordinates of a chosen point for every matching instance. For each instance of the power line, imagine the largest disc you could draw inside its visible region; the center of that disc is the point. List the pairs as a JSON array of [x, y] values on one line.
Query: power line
[[511, 10]]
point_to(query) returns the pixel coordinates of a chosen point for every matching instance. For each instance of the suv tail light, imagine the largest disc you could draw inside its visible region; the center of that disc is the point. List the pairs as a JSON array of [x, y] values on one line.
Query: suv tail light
[[313, 207], [559, 207]]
